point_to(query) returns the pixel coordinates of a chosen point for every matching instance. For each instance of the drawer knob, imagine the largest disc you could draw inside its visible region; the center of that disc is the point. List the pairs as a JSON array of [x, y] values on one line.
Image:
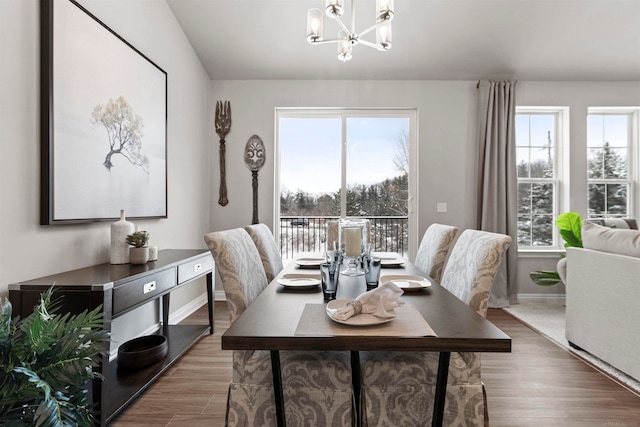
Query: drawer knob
[[148, 287], [197, 268]]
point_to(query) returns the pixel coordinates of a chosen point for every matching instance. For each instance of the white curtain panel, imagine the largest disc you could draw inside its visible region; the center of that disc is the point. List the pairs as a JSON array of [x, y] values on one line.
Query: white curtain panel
[[497, 180]]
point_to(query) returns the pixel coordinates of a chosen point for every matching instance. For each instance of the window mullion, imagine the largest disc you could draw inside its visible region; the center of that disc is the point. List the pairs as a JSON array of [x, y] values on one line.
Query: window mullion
[[343, 183]]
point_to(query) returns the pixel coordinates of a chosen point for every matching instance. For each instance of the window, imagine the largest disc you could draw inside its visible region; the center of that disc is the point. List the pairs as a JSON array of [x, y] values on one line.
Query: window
[[539, 134], [609, 169], [337, 163]]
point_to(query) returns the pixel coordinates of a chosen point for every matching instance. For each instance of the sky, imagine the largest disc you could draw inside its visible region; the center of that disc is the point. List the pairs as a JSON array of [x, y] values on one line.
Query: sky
[[310, 151], [532, 130], [310, 148]]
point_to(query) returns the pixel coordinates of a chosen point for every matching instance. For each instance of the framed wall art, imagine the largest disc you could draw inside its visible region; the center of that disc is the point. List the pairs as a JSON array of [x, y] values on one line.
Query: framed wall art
[[103, 121]]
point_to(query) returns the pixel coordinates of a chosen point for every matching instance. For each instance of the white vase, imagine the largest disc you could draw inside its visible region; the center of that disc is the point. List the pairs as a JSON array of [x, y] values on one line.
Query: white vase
[[153, 253], [139, 255], [119, 251]]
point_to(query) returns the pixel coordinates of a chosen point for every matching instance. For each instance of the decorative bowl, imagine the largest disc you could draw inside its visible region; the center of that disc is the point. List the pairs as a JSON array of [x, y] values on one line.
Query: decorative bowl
[[143, 351]]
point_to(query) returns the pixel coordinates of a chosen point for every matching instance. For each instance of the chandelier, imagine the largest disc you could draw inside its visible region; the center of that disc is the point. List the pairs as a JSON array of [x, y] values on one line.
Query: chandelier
[[348, 37]]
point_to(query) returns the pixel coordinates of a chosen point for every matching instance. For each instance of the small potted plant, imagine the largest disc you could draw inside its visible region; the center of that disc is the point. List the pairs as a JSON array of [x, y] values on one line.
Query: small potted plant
[[139, 251]]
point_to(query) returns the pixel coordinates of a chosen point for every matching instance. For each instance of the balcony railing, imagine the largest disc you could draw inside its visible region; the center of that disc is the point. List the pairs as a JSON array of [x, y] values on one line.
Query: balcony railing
[[309, 234]]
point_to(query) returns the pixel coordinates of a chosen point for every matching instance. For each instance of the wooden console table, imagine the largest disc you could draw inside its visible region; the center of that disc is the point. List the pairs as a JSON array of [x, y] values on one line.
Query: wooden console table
[[120, 289]]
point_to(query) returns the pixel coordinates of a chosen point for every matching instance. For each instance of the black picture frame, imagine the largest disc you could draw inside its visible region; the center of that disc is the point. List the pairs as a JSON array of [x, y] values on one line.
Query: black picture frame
[[103, 121]]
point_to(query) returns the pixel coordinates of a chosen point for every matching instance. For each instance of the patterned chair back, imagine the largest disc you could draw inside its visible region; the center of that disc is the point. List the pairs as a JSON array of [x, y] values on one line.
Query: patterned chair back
[[472, 266], [267, 248], [434, 248], [239, 266]]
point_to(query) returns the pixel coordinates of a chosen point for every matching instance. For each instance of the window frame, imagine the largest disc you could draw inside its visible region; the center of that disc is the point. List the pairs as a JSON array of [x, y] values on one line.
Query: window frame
[[560, 181], [633, 145], [344, 114]]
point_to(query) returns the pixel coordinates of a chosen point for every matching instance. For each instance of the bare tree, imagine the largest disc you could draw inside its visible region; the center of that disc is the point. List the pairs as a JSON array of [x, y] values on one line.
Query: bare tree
[[401, 153], [124, 130]]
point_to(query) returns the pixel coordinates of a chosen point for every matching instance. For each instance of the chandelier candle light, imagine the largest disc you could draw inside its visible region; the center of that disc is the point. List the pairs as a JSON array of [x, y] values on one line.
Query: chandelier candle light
[[347, 37]]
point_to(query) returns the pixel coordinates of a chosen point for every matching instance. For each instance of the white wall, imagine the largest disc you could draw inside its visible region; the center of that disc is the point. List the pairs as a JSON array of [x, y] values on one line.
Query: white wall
[[446, 139], [28, 250], [446, 126]]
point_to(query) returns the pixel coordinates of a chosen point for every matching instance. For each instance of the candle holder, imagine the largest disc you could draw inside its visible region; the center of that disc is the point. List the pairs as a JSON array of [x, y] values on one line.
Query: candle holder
[[352, 241]]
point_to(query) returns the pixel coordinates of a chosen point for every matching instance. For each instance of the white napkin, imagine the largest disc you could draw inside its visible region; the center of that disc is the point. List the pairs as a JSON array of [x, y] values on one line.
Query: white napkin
[[380, 302]]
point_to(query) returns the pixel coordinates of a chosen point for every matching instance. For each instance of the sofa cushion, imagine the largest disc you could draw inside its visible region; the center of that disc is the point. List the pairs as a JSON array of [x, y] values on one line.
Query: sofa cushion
[[612, 240], [624, 223]]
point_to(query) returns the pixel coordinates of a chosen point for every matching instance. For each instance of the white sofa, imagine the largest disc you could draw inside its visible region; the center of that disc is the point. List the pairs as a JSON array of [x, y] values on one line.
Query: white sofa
[[603, 296]]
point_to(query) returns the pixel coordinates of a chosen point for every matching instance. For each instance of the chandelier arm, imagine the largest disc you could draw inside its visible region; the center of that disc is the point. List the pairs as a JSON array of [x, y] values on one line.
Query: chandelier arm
[[325, 41], [344, 27], [371, 28], [366, 43]]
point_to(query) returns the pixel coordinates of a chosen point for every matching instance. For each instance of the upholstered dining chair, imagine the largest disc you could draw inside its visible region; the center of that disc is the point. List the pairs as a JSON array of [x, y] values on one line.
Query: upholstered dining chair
[[333, 228], [267, 248], [434, 248], [317, 385], [398, 388]]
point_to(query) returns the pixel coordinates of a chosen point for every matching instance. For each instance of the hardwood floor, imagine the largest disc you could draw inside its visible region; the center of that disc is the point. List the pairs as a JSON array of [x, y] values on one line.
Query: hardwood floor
[[193, 392], [538, 384], [541, 384]]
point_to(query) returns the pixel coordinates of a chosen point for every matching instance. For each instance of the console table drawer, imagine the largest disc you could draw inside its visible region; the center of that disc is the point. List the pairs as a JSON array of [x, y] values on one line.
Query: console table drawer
[[140, 290], [194, 268]]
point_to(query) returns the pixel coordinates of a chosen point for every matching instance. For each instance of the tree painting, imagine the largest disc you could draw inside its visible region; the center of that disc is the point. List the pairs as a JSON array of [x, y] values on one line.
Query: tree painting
[[124, 131]]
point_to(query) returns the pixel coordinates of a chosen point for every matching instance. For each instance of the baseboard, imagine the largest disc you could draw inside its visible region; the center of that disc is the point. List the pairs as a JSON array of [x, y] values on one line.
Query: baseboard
[[187, 309], [219, 296], [541, 296]]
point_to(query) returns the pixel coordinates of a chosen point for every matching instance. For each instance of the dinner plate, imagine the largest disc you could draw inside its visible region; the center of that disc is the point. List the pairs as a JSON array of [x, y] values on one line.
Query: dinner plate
[[389, 259], [405, 282], [292, 280], [362, 319], [309, 261]]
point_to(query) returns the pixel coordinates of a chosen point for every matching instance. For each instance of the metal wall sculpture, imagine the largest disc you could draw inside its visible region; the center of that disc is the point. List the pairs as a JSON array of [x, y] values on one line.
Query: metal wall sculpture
[[254, 157], [223, 126]]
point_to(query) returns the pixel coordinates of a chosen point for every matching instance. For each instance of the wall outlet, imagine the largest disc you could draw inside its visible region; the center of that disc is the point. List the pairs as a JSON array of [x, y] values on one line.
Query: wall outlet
[[441, 207]]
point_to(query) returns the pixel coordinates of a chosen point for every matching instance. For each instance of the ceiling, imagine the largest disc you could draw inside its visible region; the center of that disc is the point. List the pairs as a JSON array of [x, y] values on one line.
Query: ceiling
[[432, 40]]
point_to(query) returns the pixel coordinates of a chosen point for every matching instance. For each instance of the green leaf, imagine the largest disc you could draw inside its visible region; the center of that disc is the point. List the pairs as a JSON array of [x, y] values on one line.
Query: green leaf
[[545, 277], [570, 239], [571, 221], [46, 364]]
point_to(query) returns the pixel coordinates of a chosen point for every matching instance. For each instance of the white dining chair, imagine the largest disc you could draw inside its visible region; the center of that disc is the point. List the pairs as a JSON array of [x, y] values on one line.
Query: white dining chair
[[317, 385], [398, 388], [434, 248], [267, 248]]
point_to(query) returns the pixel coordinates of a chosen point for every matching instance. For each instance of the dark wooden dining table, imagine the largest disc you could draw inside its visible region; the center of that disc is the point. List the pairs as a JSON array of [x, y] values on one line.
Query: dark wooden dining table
[[270, 321]]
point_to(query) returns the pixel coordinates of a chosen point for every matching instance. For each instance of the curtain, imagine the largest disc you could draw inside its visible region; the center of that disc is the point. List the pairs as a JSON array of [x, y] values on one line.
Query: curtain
[[497, 180]]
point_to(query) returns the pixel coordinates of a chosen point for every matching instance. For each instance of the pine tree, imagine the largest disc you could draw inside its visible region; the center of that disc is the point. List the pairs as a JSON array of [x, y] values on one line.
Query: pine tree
[[607, 199]]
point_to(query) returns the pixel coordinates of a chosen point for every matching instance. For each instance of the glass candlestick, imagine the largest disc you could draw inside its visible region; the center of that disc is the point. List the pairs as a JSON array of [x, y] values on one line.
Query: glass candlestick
[[352, 241]]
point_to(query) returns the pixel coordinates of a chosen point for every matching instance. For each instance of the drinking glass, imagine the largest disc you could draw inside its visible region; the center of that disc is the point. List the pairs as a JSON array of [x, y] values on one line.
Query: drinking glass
[[372, 266], [329, 278]]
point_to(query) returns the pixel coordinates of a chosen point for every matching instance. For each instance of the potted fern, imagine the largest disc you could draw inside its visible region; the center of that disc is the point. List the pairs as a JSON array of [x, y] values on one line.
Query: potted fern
[[139, 251], [46, 361]]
